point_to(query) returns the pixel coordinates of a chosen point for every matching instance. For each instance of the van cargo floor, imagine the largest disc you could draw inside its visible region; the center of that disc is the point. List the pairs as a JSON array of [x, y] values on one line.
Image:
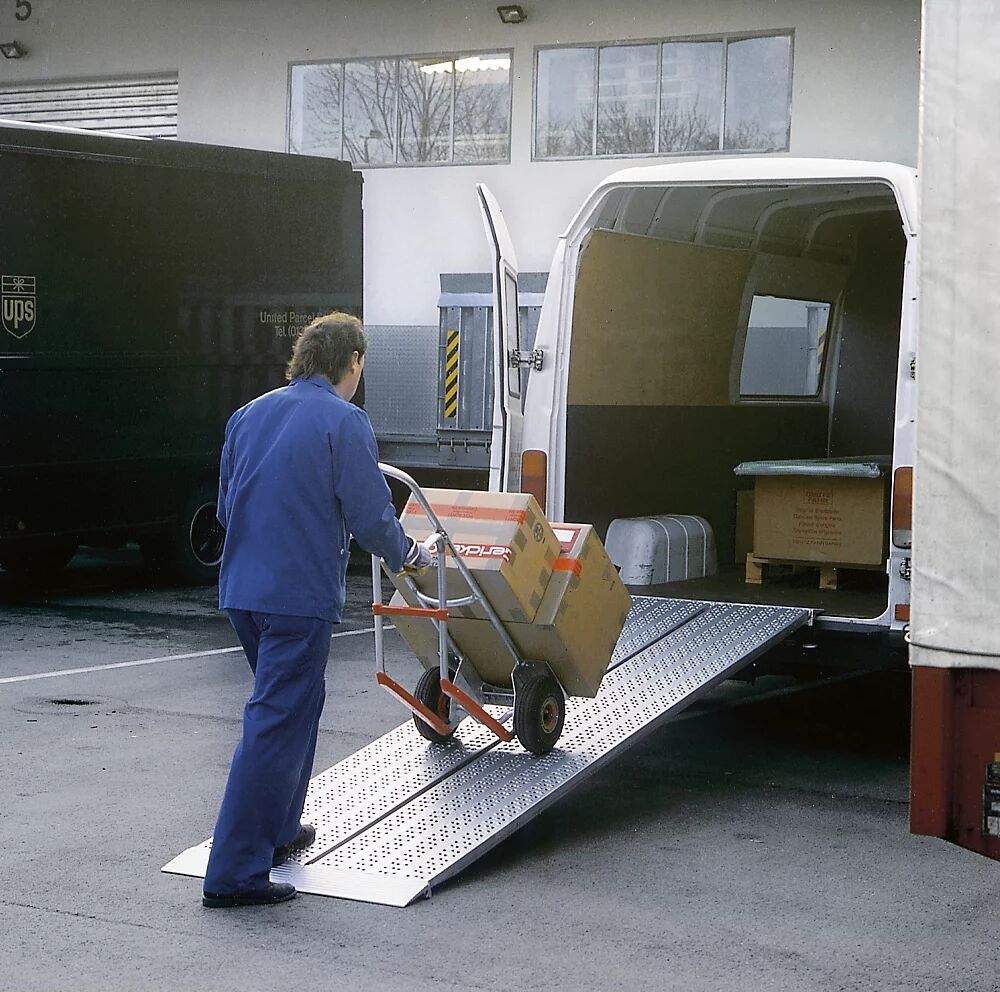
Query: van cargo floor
[[402, 815], [863, 594]]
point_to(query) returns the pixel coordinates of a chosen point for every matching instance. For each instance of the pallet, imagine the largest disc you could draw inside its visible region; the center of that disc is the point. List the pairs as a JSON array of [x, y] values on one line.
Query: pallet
[[829, 572]]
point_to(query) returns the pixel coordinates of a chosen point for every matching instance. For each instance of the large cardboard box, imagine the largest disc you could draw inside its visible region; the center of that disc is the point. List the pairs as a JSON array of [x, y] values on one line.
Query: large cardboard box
[[503, 538], [575, 629], [833, 519]]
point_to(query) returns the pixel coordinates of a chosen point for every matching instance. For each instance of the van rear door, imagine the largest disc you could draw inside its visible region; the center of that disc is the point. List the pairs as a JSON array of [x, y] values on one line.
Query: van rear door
[[508, 392]]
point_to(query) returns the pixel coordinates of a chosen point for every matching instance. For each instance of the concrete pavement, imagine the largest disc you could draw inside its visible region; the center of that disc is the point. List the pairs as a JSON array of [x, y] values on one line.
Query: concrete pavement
[[759, 843]]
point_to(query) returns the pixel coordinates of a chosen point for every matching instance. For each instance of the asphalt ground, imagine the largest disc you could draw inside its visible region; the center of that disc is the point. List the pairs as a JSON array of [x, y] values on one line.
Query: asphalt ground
[[759, 842]]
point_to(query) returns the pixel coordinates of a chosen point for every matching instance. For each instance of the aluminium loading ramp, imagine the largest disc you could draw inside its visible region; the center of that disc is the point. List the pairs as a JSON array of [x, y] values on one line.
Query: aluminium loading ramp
[[402, 815]]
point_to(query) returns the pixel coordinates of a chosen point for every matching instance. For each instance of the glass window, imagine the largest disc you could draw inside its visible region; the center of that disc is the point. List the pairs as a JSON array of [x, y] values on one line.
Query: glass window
[[425, 110], [370, 111], [758, 72], [403, 111], [663, 97], [691, 96], [482, 108], [783, 354], [512, 321], [564, 103], [626, 99], [314, 125]]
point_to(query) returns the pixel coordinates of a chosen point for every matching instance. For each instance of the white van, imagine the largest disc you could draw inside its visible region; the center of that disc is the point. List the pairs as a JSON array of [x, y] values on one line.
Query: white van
[[701, 319]]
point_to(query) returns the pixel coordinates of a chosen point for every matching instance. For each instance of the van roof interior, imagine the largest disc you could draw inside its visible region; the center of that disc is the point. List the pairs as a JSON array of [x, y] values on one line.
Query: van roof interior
[[720, 325]]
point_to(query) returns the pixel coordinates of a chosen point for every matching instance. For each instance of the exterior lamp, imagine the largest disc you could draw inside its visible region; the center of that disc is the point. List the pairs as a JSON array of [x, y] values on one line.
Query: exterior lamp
[[13, 50], [512, 14]]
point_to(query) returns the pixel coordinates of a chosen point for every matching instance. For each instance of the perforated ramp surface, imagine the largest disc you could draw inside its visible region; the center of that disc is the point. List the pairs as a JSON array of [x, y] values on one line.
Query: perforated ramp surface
[[402, 815]]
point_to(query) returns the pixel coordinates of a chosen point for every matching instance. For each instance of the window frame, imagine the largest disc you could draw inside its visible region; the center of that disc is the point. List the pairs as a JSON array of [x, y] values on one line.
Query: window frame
[[397, 58], [725, 38], [818, 398]]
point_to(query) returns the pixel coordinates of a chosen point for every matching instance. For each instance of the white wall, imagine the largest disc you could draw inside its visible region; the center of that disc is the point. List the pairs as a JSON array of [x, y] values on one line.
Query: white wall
[[854, 95]]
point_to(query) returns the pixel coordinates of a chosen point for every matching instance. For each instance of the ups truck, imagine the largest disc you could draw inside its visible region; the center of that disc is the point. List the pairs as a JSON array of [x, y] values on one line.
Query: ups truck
[[149, 289]]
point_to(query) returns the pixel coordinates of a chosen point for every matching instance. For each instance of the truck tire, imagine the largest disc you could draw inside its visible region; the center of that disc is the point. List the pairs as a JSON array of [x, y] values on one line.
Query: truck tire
[[36, 561], [428, 692], [190, 551], [539, 712]]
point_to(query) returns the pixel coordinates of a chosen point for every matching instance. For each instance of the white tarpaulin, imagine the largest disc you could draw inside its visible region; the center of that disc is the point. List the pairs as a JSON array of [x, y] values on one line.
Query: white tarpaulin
[[956, 562]]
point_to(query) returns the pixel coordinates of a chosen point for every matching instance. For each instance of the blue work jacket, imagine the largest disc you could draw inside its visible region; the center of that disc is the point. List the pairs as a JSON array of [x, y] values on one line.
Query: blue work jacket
[[299, 474]]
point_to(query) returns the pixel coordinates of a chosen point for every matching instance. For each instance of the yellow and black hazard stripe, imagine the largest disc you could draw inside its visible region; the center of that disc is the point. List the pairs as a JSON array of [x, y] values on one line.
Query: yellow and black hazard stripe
[[451, 375]]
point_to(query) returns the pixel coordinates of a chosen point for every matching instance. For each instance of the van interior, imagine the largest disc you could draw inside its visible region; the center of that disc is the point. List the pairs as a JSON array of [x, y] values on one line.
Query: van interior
[[716, 326]]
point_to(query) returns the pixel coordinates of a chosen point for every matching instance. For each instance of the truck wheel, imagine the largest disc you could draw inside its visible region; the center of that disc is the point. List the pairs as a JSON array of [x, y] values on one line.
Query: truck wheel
[[539, 712], [191, 550], [428, 691], [36, 561]]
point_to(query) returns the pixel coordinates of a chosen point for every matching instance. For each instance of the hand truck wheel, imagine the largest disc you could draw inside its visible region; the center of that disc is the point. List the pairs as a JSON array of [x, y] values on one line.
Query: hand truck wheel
[[539, 712], [428, 691]]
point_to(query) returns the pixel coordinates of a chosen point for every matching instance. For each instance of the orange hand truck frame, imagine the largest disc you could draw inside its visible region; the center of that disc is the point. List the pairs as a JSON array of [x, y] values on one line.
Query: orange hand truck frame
[[535, 694]]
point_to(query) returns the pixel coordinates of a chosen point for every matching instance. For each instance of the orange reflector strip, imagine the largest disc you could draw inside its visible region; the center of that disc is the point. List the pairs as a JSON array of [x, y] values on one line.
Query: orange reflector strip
[[903, 612], [573, 565], [534, 469], [475, 710], [902, 498], [413, 704], [384, 610]]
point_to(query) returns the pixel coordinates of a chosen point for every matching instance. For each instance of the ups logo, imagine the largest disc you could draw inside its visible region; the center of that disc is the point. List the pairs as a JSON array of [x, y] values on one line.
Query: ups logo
[[18, 304]]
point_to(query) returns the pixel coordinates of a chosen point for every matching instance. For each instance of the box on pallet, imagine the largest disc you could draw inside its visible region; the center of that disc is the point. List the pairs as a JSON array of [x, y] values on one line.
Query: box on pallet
[[820, 519], [575, 628], [503, 538]]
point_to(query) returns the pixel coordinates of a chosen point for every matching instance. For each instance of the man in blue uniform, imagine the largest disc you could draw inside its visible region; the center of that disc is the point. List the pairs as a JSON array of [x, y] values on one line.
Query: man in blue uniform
[[299, 475]]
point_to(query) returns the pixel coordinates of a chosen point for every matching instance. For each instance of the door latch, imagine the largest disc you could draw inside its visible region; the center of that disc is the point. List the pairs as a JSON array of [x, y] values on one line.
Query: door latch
[[525, 359]]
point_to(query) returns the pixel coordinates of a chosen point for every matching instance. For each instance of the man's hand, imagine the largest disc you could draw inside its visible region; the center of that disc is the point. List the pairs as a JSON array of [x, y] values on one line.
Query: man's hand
[[418, 559]]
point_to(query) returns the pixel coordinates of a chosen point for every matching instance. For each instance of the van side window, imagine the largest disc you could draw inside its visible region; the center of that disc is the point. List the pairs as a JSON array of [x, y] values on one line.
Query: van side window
[[785, 345]]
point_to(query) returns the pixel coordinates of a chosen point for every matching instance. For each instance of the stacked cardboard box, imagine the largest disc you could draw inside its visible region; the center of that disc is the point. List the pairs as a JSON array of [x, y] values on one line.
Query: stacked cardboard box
[[573, 628]]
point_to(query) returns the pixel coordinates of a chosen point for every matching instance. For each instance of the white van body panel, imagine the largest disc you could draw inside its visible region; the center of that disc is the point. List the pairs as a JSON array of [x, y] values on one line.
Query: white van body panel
[[546, 399]]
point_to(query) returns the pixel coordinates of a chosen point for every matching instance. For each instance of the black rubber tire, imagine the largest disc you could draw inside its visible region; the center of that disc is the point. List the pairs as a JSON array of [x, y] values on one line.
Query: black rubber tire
[[539, 713], [428, 692], [191, 550], [38, 560]]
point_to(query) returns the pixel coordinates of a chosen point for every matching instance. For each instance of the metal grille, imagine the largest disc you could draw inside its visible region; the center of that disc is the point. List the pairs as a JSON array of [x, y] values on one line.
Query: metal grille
[[402, 361], [146, 107], [401, 816]]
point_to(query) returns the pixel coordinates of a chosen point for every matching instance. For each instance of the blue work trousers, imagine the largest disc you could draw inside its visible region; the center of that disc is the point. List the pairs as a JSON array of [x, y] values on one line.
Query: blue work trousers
[[270, 772]]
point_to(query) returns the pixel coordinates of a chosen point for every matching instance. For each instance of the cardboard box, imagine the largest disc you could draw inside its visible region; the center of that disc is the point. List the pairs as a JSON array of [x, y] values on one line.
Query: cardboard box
[[575, 629], [831, 519], [503, 538]]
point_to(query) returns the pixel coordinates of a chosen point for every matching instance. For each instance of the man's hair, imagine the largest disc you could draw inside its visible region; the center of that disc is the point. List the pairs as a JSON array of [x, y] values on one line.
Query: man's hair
[[325, 347]]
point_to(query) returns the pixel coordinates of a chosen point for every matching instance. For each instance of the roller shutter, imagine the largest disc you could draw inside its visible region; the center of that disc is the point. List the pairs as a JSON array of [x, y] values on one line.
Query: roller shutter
[[146, 106]]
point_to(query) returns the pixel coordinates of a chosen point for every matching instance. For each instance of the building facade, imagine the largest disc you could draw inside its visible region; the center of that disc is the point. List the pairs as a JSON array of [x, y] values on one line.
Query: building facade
[[430, 97]]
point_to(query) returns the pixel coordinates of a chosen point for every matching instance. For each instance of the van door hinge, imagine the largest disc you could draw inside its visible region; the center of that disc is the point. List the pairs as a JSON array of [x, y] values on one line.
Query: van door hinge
[[913, 366], [904, 569], [532, 359]]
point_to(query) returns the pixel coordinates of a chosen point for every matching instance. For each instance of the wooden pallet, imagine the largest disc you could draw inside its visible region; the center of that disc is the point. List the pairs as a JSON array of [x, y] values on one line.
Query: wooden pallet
[[758, 569]]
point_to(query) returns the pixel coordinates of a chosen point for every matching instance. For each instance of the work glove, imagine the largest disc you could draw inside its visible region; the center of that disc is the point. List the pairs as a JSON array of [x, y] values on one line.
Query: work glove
[[418, 559]]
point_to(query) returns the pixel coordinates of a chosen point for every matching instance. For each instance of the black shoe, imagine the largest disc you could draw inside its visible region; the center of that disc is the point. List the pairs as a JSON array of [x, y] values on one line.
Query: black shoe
[[274, 892], [303, 839]]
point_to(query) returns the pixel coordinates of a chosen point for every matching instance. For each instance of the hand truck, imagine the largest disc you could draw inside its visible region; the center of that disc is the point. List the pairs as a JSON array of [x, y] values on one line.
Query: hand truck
[[535, 694]]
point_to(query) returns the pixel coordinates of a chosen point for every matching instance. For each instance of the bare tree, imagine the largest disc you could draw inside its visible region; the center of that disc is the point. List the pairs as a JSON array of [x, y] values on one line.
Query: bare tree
[[751, 135], [623, 128], [689, 128], [370, 111], [482, 115], [424, 114]]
